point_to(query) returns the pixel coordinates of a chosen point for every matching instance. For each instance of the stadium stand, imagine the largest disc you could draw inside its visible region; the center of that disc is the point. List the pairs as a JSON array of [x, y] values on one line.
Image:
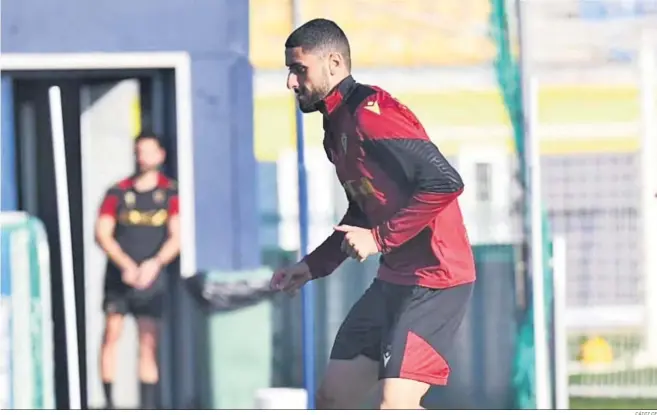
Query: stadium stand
[[384, 33]]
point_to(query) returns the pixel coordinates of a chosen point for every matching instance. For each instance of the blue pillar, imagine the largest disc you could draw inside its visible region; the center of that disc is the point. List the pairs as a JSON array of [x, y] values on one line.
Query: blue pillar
[[224, 164], [8, 185]]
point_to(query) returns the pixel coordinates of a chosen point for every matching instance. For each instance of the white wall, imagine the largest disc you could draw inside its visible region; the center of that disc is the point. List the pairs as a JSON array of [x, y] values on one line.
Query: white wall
[[107, 125]]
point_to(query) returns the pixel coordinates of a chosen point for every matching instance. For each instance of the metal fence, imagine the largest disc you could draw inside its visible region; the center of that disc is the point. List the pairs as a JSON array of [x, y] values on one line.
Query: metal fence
[[26, 369], [598, 94]]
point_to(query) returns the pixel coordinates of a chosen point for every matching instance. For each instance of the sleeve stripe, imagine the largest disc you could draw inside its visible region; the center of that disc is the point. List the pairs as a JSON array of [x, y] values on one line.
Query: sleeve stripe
[[174, 205], [109, 205], [415, 161]]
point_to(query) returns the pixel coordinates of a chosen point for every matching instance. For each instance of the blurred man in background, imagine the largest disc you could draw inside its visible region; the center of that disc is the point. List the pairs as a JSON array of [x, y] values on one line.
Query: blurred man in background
[[403, 204], [138, 228]]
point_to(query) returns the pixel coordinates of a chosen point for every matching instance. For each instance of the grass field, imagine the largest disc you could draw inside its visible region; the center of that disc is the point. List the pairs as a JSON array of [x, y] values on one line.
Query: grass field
[[628, 377], [625, 346], [608, 403], [274, 116]]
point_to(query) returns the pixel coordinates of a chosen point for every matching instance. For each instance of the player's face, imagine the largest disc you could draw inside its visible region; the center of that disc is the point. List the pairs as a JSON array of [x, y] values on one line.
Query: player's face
[[150, 155], [308, 77]]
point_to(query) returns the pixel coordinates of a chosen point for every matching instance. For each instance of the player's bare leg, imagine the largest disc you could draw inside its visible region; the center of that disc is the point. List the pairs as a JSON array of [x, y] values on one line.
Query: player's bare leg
[[113, 330], [347, 383], [402, 393], [148, 370]]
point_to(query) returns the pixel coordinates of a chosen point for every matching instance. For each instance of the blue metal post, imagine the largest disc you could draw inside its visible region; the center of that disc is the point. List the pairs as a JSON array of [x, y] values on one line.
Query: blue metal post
[[8, 202], [8, 184], [307, 292]]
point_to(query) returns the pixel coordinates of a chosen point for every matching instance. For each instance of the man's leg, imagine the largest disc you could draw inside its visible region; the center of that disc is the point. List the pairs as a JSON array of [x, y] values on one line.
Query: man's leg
[[147, 307], [148, 370], [113, 329], [347, 383], [402, 393], [423, 329], [352, 371]]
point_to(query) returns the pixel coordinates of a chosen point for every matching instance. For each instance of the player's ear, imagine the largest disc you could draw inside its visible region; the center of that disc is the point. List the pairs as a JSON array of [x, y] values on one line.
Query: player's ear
[[335, 61]]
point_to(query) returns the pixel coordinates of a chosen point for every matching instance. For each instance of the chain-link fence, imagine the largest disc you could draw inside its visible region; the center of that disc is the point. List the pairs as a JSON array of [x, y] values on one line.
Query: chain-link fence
[[598, 98]]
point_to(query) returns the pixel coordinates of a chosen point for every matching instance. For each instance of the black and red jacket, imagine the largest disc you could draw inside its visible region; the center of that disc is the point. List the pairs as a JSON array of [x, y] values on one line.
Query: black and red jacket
[[141, 217], [399, 185]]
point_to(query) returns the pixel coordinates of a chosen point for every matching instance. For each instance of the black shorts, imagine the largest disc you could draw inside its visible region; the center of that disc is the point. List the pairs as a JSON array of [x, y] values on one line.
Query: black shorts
[[407, 329], [123, 299]]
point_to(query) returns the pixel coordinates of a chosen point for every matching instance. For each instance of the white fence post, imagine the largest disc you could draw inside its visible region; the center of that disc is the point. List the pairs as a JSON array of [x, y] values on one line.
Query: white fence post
[[559, 276], [648, 79]]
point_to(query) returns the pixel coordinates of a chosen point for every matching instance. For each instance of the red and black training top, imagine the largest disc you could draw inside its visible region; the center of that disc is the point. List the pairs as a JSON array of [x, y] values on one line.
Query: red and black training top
[[399, 185], [141, 217]]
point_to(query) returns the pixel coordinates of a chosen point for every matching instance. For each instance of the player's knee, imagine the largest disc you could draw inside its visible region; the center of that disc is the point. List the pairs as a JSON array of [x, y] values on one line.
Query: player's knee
[[147, 350], [323, 400], [112, 334], [147, 339], [398, 404], [402, 394], [111, 338], [326, 398], [147, 346], [401, 402]]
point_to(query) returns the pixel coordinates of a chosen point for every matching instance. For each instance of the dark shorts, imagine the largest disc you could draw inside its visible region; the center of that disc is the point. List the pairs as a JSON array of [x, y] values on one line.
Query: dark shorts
[[407, 329], [123, 299]]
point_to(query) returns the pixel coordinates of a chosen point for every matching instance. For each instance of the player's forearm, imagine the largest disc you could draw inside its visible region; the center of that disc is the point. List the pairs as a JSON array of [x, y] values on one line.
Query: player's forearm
[[114, 252], [327, 257], [169, 251], [411, 220]]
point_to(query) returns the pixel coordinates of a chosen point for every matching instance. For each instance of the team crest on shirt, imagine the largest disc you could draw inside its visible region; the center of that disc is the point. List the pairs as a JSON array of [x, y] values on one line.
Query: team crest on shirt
[[159, 218], [135, 217], [343, 140], [158, 196], [129, 199], [373, 106]]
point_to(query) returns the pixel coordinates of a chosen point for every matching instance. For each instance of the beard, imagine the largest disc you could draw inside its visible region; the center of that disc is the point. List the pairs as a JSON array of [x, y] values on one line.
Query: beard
[[308, 103], [308, 99]]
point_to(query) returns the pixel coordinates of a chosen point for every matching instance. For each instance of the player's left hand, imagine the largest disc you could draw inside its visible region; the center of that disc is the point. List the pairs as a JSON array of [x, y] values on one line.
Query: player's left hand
[[148, 272], [358, 242]]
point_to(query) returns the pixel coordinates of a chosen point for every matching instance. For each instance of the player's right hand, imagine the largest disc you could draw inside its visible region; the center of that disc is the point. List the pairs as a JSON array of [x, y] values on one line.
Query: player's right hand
[[130, 275], [291, 279]]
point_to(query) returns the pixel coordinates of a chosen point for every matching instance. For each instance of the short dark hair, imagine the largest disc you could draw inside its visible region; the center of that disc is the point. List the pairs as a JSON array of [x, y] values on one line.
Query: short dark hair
[[320, 34], [149, 135]]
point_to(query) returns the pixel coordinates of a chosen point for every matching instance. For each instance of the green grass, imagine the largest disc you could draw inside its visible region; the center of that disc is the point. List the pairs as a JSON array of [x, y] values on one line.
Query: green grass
[[608, 403], [628, 377], [274, 114], [623, 344]]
